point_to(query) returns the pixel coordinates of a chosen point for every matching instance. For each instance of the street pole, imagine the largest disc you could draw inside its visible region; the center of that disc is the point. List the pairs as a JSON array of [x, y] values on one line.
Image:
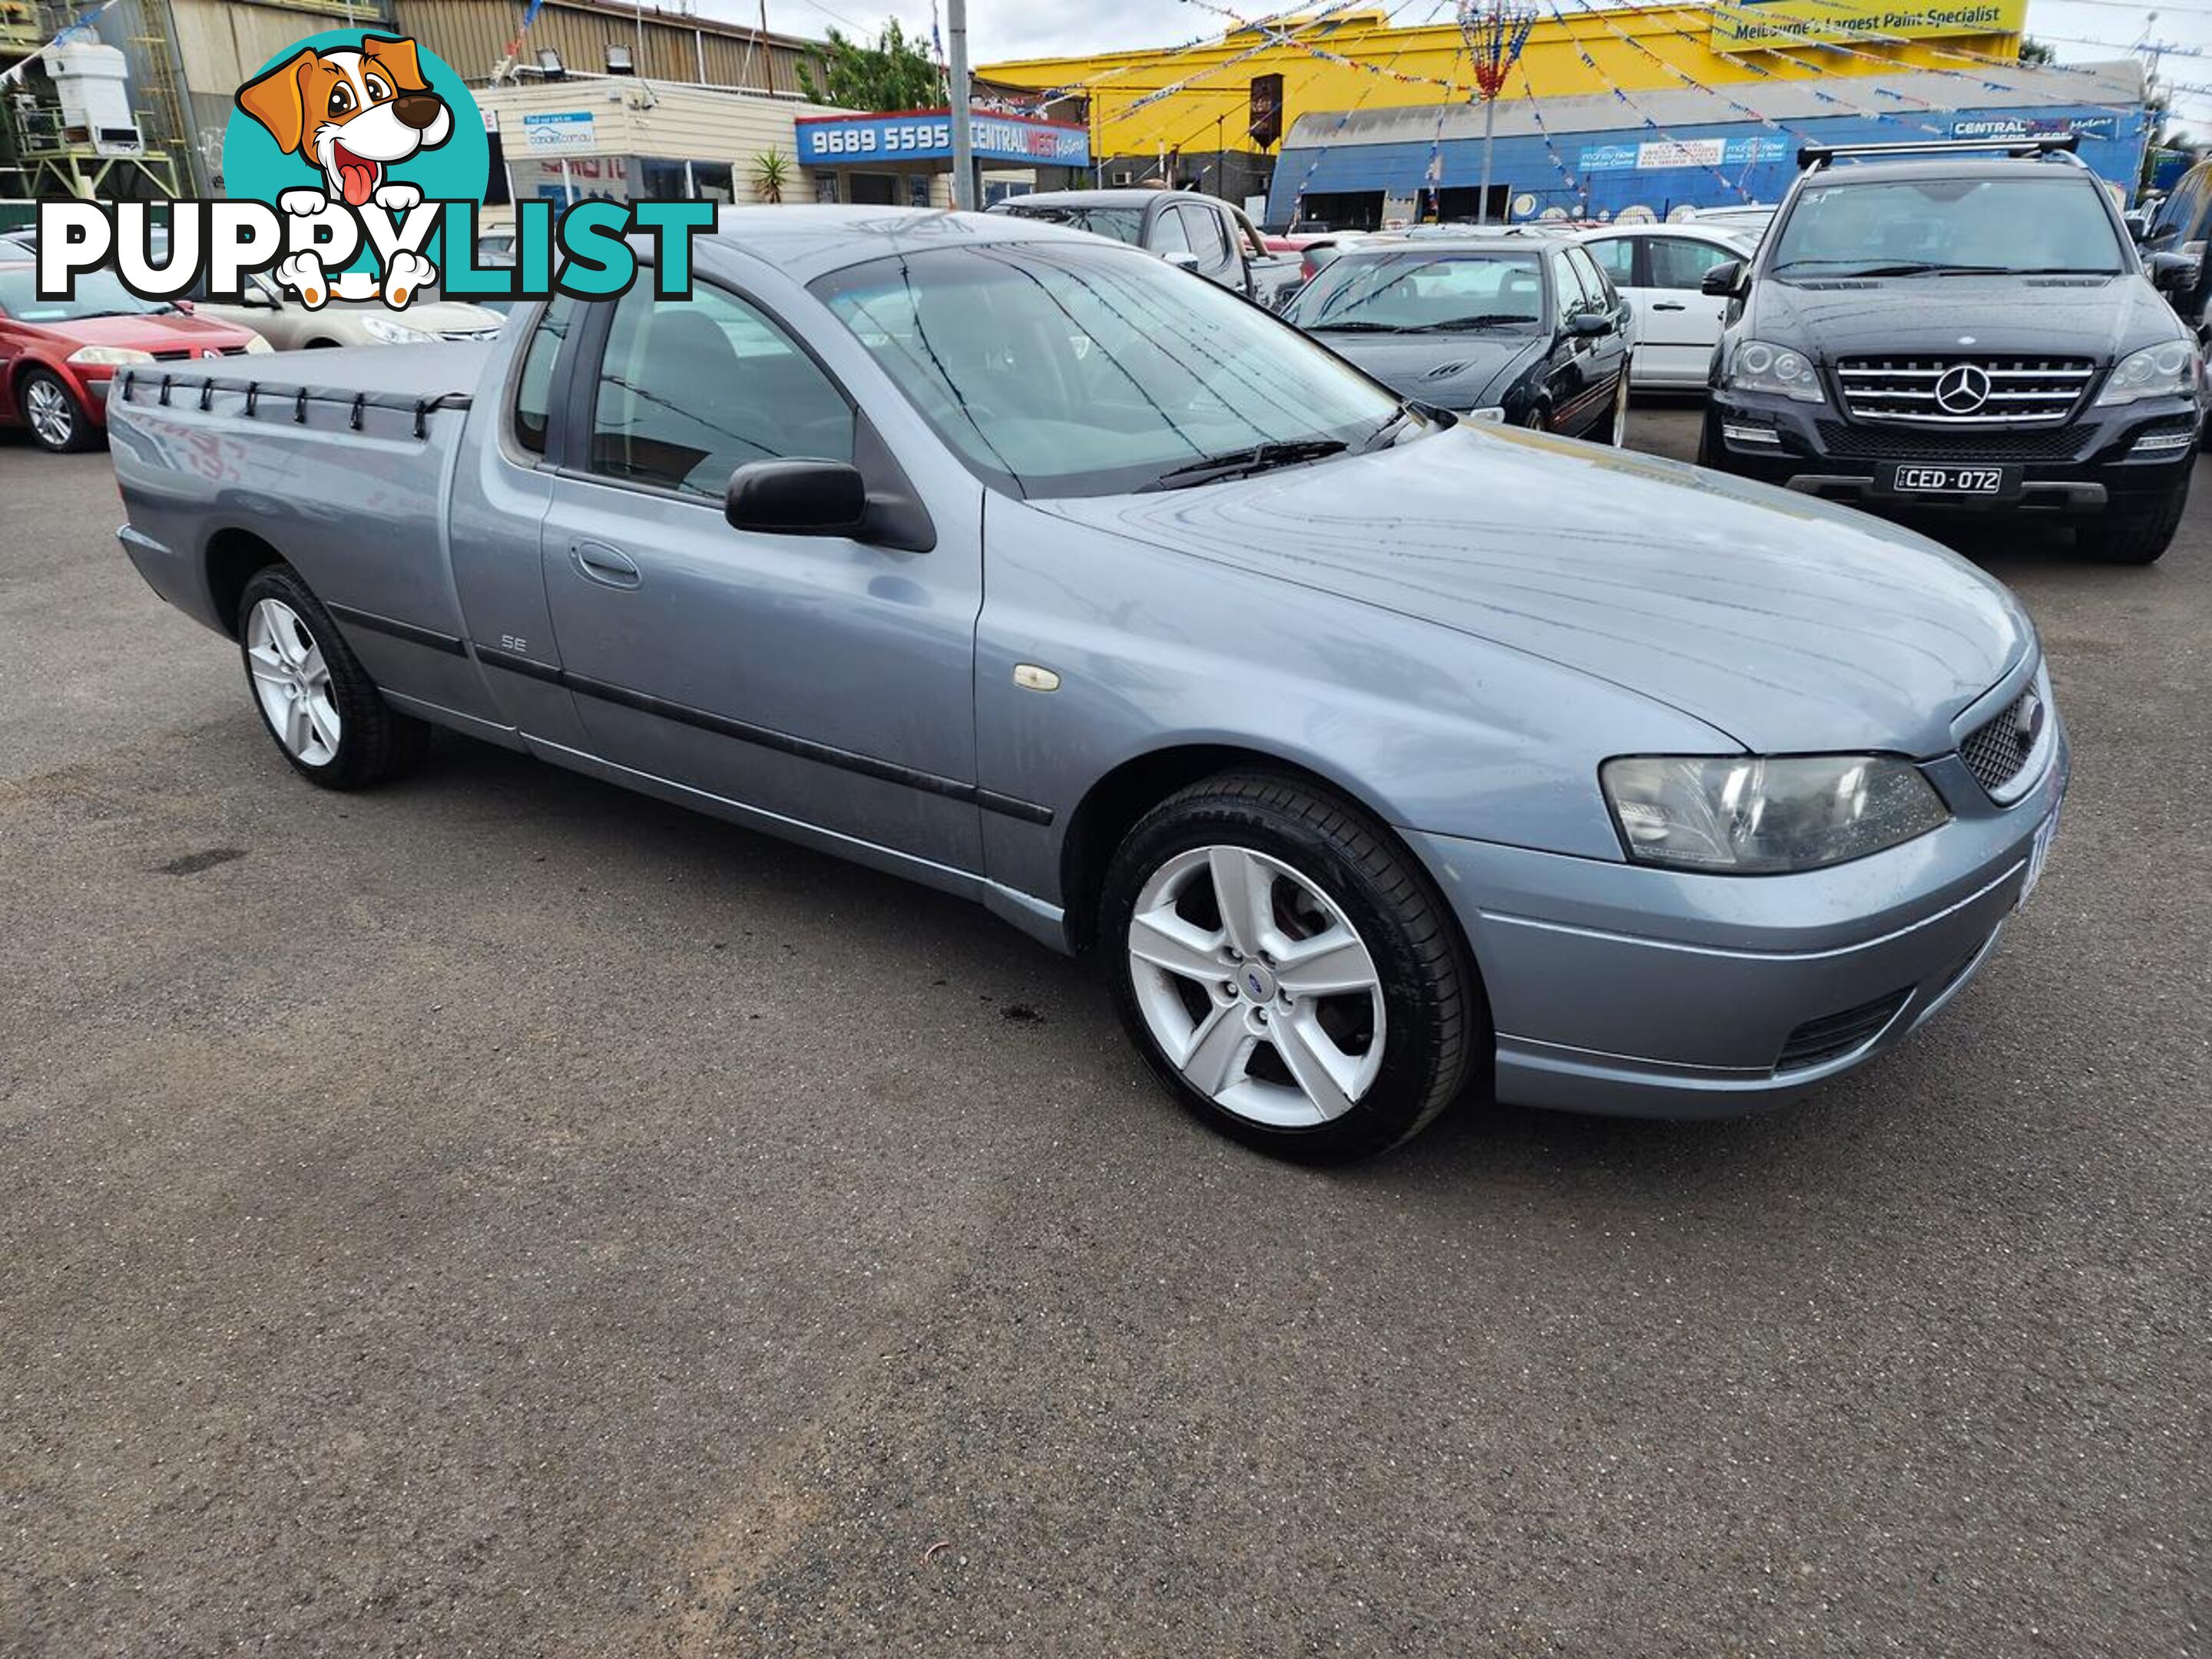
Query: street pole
[[1482, 202], [963, 146]]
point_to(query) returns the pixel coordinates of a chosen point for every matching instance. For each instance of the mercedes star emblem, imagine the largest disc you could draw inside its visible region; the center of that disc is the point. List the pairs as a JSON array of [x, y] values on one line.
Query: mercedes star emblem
[[1963, 389]]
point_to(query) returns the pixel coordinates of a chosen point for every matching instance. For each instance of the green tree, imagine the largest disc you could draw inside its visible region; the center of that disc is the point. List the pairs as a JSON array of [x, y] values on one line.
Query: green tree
[[893, 74], [2033, 51]]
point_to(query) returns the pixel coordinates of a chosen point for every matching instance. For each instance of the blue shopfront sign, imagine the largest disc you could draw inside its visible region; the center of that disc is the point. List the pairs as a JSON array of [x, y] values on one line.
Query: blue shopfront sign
[[927, 136], [1719, 152]]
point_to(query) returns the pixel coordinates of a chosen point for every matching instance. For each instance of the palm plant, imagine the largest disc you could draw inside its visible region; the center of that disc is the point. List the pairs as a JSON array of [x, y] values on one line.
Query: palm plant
[[771, 172]]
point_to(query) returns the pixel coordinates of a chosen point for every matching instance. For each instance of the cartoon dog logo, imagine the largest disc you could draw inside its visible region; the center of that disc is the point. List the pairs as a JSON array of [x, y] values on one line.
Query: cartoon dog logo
[[353, 115]]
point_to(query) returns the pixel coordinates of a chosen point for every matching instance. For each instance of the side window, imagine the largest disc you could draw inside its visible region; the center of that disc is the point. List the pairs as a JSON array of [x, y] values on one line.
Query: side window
[[533, 393], [1168, 235], [1677, 262], [1573, 296], [2177, 215], [1616, 257], [691, 390], [1602, 296], [1208, 234]]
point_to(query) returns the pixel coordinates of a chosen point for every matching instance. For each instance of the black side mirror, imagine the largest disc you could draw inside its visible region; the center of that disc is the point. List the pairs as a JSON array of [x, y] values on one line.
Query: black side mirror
[[797, 498], [2170, 272], [1723, 279], [1590, 322]]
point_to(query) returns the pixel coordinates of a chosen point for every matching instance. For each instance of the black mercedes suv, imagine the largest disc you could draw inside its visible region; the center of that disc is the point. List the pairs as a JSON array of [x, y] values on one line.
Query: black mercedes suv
[[1944, 333]]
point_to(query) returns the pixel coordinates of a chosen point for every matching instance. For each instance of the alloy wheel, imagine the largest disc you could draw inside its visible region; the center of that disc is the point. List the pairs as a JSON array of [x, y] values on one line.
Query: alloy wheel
[[1256, 988], [293, 683], [50, 416]]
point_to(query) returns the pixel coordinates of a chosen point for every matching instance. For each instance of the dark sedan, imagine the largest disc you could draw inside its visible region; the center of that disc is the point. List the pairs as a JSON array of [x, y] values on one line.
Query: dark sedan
[[1499, 326]]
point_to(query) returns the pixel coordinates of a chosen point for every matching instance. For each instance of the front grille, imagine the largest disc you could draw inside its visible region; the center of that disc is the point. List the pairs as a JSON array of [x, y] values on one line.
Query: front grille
[[1880, 443], [1819, 1040], [173, 356], [1994, 751], [2011, 391], [463, 334]]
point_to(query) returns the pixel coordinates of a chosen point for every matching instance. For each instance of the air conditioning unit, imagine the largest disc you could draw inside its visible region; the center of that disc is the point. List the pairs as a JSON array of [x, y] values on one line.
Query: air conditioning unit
[[91, 81], [1123, 176]]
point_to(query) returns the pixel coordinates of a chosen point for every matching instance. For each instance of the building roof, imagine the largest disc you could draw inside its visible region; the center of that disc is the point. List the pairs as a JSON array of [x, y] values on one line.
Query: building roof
[[1904, 94]]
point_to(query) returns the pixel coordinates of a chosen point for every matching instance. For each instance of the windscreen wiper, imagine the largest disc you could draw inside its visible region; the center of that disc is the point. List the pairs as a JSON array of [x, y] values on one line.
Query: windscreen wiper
[[1488, 319], [1357, 328], [1243, 463]]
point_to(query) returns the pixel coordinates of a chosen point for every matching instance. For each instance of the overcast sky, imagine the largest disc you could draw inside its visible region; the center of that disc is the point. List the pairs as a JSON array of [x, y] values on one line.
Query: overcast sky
[[2081, 30]]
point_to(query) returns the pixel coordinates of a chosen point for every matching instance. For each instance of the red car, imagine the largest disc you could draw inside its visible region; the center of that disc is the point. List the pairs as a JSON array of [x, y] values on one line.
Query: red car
[[57, 357]]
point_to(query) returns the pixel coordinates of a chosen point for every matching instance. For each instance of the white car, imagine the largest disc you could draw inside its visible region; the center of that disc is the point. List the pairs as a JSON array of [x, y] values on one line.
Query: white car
[[1658, 268]]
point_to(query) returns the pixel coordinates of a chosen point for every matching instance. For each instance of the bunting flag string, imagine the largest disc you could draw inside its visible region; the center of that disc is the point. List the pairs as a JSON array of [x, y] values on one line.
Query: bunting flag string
[[1643, 116], [1762, 72], [1344, 118], [1536, 110], [1035, 101]]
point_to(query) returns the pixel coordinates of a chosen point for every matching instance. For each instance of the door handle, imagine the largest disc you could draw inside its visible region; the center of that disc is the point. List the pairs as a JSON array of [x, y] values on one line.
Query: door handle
[[1669, 305], [607, 566]]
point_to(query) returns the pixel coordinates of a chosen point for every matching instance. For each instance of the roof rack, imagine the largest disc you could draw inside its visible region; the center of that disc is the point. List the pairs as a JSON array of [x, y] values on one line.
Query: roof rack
[[2050, 144]]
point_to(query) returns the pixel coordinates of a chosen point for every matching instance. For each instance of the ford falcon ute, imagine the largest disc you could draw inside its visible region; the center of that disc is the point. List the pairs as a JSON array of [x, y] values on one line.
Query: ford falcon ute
[[1383, 759]]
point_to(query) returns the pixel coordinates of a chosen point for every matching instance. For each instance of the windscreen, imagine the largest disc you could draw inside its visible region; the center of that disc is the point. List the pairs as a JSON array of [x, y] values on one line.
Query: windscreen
[[1931, 226], [1122, 224], [98, 294], [1427, 291], [1061, 369]]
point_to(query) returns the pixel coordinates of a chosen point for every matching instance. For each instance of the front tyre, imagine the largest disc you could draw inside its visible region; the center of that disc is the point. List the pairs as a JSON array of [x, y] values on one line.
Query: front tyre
[[326, 713], [58, 422], [1288, 970], [2138, 537]]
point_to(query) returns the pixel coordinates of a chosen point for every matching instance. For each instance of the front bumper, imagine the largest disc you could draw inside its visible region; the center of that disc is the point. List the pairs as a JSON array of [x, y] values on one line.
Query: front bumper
[[2097, 463], [1623, 989]]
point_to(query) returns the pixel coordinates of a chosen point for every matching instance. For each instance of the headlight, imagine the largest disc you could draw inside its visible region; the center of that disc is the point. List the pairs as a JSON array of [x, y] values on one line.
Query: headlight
[[2159, 371], [255, 345], [110, 354], [392, 333], [1743, 815], [1759, 366]]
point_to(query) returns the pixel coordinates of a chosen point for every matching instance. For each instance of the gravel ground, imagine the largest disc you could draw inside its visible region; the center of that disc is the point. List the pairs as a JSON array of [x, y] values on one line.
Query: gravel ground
[[500, 1215]]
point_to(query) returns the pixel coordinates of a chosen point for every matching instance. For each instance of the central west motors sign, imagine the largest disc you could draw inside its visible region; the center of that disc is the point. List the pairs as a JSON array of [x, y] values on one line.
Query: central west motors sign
[[2039, 127], [1722, 153], [1791, 23], [927, 136]]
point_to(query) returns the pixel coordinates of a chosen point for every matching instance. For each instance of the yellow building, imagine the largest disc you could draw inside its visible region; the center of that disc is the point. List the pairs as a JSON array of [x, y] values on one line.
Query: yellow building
[[1185, 113]]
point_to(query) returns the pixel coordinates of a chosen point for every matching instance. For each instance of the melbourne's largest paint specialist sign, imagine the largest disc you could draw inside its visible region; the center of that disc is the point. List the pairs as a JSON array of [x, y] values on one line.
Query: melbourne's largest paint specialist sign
[[354, 165]]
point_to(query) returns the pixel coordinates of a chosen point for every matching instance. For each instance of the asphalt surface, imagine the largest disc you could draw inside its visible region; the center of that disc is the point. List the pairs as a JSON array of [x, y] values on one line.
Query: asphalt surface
[[500, 1215]]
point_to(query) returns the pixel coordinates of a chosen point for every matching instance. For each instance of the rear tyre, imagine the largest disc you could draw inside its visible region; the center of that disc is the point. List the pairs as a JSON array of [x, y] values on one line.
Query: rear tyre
[[1615, 430], [58, 422], [1288, 970], [2137, 539], [324, 712]]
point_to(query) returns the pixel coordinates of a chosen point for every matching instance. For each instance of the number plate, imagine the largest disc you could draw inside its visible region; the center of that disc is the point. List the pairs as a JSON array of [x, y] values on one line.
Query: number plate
[[1938, 479], [2039, 853]]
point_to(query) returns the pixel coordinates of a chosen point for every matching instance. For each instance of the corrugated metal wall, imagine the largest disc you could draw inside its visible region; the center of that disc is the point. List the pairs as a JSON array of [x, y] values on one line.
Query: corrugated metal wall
[[473, 36]]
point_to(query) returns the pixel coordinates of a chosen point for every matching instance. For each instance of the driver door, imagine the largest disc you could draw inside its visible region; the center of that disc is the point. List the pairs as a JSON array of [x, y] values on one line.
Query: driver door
[[819, 678]]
